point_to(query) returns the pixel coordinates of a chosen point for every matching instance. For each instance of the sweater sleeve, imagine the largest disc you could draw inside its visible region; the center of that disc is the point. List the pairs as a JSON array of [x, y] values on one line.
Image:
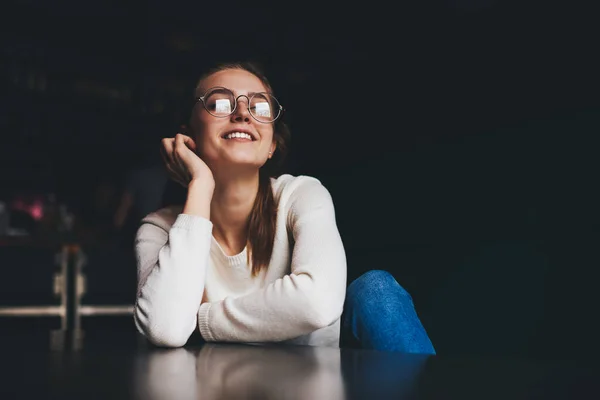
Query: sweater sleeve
[[311, 297], [171, 267]]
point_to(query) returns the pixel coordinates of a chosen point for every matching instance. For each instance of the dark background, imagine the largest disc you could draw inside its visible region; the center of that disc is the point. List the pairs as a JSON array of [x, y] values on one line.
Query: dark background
[[458, 138]]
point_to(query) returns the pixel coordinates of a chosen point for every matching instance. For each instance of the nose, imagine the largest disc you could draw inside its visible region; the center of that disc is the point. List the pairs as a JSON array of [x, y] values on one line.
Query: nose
[[241, 112]]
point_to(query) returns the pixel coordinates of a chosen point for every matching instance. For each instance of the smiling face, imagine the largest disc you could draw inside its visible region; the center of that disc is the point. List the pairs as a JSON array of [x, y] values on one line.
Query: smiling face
[[237, 140]]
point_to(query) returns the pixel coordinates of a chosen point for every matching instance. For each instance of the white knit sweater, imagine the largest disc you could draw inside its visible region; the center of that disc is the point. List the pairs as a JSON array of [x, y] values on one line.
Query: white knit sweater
[[185, 280]]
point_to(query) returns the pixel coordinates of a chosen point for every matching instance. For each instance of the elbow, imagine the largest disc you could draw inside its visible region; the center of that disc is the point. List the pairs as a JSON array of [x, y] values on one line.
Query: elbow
[[162, 333], [169, 338], [318, 315]]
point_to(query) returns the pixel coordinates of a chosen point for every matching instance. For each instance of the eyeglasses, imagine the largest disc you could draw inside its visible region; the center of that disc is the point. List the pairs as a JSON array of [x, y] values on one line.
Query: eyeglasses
[[220, 102]]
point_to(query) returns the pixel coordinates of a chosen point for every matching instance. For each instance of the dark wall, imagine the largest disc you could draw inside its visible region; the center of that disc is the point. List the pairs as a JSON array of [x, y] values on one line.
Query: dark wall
[[495, 235]]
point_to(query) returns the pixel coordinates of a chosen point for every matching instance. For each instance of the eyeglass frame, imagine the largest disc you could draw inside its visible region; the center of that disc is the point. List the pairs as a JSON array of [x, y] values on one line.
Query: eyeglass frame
[[235, 104]]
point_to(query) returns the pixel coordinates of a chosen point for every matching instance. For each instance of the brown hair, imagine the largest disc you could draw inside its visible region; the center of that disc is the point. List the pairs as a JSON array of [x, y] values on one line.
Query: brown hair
[[262, 218]]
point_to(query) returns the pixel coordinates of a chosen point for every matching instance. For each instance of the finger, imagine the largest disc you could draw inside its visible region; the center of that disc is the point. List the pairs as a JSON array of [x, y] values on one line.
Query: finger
[[190, 143], [181, 154], [166, 150], [166, 157], [175, 174], [175, 169], [185, 140]]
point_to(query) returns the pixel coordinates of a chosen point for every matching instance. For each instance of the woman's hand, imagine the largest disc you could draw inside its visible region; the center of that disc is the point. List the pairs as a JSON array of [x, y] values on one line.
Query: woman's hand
[[183, 164]]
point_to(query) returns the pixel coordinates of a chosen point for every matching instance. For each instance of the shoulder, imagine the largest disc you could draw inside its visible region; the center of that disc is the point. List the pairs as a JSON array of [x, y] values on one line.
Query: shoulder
[[162, 219], [291, 186], [299, 194]]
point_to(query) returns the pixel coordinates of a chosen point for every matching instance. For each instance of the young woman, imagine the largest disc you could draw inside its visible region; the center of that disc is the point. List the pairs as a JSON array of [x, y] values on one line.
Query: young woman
[[251, 256]]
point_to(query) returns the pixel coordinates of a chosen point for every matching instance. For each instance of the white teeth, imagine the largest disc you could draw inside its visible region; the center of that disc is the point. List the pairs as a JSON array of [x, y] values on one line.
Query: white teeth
[[238, 135]]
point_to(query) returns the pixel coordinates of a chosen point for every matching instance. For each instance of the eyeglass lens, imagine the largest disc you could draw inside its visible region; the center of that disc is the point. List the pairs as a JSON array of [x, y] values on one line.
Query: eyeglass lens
[[221, 103]]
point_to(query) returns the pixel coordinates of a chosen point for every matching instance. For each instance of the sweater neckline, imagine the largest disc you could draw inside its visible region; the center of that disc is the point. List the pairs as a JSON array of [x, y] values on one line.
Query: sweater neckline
[[233, 261]]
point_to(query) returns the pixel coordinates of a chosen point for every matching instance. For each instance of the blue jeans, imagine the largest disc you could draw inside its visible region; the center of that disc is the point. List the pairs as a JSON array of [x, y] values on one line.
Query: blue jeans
[[379, 314]]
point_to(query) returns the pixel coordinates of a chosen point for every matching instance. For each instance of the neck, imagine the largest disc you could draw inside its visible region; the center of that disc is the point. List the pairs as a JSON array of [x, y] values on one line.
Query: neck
[[230, 208]]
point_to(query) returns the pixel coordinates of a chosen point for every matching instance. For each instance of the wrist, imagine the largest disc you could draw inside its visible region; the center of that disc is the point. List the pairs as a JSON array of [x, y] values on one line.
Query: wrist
[[202, 185], [199, 197]]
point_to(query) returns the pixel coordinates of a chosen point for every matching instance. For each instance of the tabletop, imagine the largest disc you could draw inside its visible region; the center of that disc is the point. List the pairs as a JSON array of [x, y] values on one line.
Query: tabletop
[[106, 366]]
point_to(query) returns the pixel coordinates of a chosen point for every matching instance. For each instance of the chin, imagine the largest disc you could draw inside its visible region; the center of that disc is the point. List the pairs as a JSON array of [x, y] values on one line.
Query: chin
[[243, 158], [243, 163]]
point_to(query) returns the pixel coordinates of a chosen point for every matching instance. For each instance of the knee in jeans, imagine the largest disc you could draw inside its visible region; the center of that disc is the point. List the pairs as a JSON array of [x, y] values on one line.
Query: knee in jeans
[[376, 280]]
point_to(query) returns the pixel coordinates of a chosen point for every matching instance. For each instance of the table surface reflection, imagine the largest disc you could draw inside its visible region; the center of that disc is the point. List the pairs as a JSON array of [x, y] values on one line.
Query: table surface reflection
[[107, 366]]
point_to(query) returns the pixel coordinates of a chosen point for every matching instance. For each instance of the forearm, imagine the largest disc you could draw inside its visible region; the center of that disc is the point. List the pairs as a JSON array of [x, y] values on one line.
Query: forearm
[[290, 307], [171, 282], [308, 299]]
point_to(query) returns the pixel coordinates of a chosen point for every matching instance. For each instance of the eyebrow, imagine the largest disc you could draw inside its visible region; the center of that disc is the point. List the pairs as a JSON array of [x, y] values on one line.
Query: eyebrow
[[204, 91], [235, 92], [250, 94]]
